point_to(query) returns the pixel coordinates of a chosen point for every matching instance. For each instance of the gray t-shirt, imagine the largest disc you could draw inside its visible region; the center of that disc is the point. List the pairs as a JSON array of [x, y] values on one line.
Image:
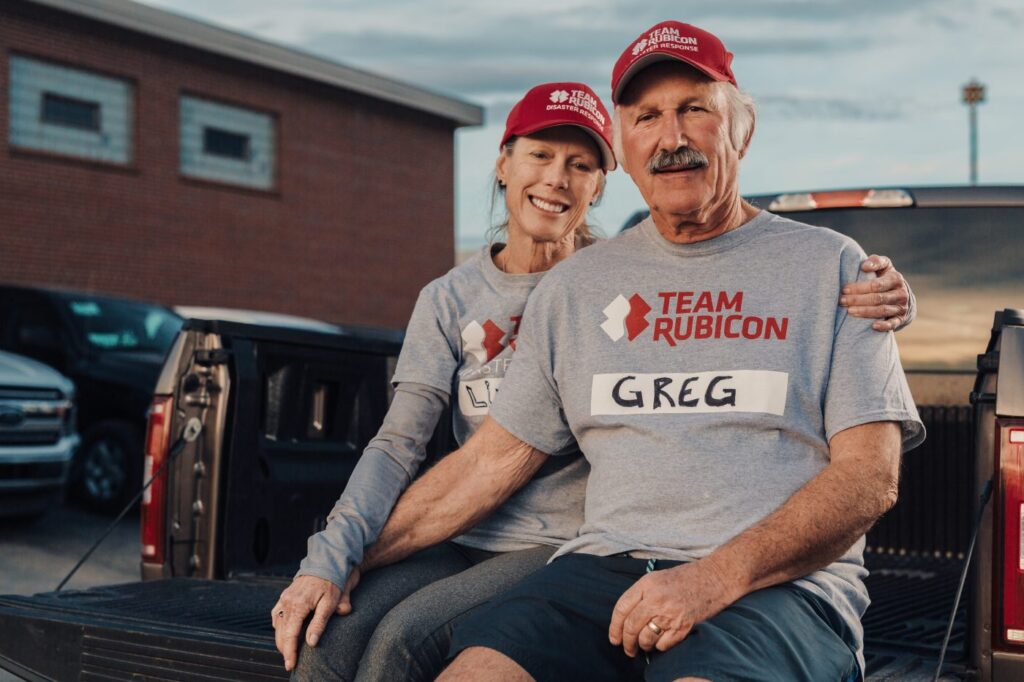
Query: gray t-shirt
[[461, 339], [703, 383]]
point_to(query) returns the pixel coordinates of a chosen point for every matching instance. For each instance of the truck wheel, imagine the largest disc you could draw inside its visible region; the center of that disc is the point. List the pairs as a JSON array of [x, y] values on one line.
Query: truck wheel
[[108, 466]]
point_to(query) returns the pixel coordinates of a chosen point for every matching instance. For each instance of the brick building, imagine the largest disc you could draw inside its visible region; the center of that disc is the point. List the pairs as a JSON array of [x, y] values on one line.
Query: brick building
[[161, 158]]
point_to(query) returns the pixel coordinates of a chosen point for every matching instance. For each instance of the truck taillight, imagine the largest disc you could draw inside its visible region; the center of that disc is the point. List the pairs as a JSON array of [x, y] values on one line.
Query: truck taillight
[[153, 525], [1010, 534], [846, 198]]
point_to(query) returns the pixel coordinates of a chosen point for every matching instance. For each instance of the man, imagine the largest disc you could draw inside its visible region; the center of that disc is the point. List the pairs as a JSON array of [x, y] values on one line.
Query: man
[[742, 438]]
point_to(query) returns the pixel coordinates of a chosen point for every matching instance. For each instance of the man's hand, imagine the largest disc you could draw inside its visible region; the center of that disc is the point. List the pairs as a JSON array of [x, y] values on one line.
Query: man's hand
[[674, 600], [306, 594], [885, 298]]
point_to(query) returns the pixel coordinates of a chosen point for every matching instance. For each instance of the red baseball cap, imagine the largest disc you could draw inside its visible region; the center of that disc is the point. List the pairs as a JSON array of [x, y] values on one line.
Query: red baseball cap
[[562, 104], [673, 40]]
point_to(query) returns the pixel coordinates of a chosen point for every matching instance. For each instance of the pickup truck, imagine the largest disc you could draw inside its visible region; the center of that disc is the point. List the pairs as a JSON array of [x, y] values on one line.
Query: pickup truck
[[37, 435], [254, 430]]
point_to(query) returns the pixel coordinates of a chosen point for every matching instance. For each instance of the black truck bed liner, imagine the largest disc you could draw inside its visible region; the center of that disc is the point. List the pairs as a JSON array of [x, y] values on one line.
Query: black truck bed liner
[[220, 630], [177, 629]]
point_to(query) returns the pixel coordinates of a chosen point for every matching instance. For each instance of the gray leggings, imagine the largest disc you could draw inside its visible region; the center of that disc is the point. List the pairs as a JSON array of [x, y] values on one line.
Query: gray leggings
[[403, 615]]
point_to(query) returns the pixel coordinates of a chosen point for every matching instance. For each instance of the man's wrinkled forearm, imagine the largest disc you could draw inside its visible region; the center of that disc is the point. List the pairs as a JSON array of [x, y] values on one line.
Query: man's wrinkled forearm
[[821, 521], [456, 494]]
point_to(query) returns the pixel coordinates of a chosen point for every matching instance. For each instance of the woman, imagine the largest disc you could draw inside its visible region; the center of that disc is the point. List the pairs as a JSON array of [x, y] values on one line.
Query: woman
[[551, 167]]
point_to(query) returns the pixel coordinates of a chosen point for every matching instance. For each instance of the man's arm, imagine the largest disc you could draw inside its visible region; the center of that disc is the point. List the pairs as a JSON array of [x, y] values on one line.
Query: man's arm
[[810, 530], [456, 494]]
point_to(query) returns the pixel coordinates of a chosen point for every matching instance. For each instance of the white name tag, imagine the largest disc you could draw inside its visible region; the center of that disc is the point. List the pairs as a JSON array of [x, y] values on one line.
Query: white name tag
[[475, 397], [741, 390]]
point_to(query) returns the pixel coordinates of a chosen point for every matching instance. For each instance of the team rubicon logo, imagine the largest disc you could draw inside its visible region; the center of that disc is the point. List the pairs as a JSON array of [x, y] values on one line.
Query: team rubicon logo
[[625, 317], [559, 96], [578, 101], [679, 316], [486, 341], [664, 37]]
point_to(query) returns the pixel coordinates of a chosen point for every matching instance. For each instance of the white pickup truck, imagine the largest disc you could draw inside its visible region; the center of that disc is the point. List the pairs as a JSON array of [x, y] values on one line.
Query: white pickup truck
[[37, 435]]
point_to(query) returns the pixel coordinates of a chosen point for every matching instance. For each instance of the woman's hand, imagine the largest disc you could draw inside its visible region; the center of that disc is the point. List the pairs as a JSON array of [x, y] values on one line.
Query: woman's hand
[[306, 594], [886, 299]]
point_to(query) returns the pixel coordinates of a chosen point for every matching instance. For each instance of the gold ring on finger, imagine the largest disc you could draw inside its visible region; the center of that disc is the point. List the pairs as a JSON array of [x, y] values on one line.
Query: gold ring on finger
[[653, 627]]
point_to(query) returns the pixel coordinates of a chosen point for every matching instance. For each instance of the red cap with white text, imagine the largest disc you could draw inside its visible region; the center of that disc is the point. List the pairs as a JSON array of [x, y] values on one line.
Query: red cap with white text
[[673, 40], [562, 104]]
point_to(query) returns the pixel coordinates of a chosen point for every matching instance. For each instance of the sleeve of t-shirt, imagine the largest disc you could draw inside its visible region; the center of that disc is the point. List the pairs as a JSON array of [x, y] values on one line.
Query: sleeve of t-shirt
[[528, 405], [387, 466], [866, 380], [432, 348]]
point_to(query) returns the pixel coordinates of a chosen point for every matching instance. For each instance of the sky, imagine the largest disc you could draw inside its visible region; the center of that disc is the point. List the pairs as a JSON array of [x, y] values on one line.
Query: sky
[[849, 93]]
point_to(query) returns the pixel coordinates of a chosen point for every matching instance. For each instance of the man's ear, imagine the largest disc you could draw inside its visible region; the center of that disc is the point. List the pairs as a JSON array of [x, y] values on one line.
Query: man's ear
[[750, 136]]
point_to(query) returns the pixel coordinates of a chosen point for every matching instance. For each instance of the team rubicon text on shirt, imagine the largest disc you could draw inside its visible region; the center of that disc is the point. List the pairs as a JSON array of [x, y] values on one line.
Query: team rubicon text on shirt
[[682, 316], [678, 316]]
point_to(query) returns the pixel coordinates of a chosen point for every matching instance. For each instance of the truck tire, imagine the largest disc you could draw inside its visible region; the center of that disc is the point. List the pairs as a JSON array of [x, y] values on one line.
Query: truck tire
[[108, 466]]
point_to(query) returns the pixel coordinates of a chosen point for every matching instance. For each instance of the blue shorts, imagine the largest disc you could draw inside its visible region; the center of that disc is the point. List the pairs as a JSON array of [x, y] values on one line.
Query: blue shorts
[[554, 624]]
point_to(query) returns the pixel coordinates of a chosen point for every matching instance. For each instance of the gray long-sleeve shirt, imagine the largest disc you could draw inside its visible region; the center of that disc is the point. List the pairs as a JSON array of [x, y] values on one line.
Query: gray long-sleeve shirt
[[459, 342]]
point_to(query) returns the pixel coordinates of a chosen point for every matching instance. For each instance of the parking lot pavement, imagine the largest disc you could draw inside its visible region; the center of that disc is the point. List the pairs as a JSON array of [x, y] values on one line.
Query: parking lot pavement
[[35, 556]]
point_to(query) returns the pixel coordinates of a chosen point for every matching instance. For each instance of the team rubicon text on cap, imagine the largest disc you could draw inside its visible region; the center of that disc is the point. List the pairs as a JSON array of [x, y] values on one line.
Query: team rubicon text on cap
[[562, 104], [673, 40], [578, 101]]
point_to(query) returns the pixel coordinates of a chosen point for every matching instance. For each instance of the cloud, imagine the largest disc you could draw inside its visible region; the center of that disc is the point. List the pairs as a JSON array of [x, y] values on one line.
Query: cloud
[[1014, 16], [803, 12], [829, 108]]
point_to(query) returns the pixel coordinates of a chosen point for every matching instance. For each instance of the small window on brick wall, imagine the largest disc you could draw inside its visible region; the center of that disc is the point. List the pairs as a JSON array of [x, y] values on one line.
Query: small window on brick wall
[[226, 143], [69, 111]]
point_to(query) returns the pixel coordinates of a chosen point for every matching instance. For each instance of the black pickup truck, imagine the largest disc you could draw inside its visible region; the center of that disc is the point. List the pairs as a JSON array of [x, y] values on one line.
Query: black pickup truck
[[253, 432]]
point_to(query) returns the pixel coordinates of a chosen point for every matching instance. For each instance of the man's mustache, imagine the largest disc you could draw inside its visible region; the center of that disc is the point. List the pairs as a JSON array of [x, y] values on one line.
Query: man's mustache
[[688, 157]]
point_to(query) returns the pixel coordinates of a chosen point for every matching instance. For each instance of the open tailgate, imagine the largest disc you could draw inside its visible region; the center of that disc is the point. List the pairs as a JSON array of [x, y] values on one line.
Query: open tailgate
[[175, 629]]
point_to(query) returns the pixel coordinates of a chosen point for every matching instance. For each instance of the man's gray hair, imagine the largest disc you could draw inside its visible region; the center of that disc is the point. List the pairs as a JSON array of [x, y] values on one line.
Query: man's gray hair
[[742, 115]]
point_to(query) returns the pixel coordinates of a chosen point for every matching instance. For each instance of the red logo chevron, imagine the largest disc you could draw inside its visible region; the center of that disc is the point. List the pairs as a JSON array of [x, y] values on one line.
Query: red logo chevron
[[493, 334], [636, 320]]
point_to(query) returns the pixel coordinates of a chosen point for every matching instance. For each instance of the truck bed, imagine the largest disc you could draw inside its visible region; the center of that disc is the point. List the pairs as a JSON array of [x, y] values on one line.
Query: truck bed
[[220, 629], [176, 629]]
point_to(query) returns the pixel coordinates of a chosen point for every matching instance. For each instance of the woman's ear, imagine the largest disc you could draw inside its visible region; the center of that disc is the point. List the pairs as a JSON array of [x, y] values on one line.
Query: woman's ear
[[499, 169]]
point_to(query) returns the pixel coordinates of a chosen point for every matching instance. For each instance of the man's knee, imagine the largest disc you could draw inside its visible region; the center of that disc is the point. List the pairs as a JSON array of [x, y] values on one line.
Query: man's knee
[[481, 663]]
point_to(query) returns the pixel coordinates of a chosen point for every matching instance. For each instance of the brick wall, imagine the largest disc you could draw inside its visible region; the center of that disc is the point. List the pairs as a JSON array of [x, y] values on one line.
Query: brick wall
[[360, 220]]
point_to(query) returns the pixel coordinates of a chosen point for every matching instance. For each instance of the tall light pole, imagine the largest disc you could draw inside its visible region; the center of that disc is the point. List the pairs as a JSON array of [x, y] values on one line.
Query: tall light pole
[[973, 95]]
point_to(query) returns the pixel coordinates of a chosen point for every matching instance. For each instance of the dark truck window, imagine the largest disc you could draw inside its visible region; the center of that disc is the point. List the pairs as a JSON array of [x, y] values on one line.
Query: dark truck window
[[962, 263], [108, 325]]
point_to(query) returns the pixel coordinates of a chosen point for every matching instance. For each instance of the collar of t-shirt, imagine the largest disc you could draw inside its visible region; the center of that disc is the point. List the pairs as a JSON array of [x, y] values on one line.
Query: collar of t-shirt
[[500, 279], [729, 240]]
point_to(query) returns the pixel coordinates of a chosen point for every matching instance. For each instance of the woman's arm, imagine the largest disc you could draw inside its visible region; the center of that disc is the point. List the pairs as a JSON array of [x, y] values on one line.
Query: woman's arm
[[389, 463], [387, 466]]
